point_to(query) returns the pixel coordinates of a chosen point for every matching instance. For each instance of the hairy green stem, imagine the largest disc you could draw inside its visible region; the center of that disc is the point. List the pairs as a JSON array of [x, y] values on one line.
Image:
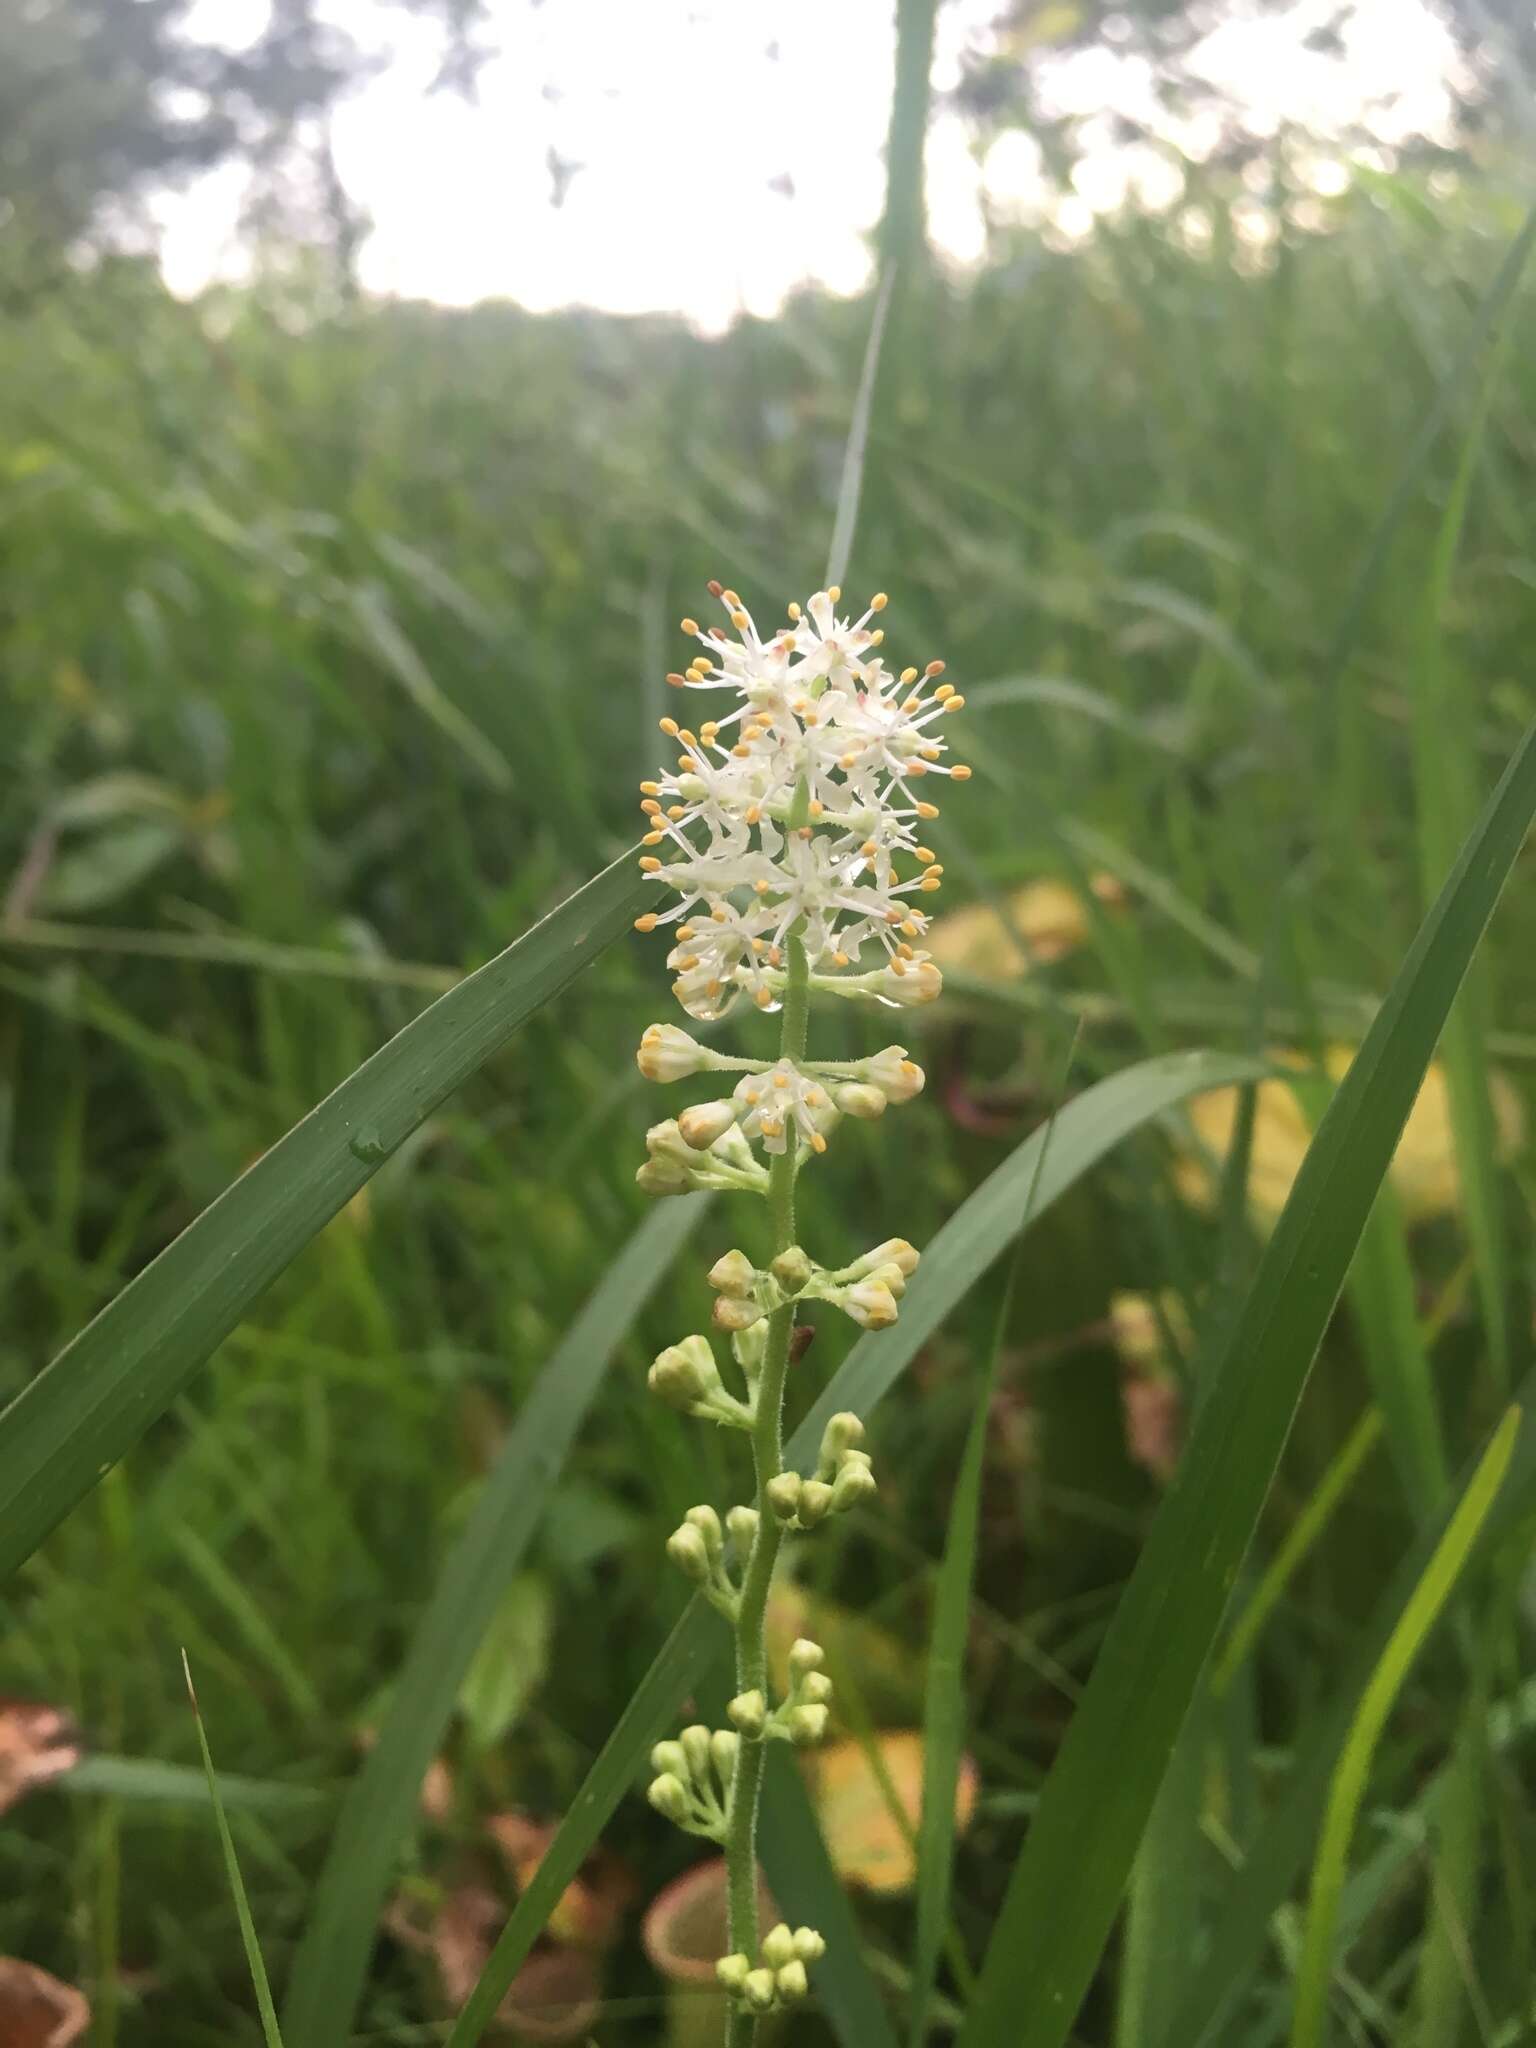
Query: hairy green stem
[[768, 1458]]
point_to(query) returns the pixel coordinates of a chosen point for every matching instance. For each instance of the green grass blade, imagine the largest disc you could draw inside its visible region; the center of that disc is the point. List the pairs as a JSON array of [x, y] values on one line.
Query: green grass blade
[[125, 1369], [148, 1781], [1067, 1885], [269, 2027], [343, 1920], [1354, 1765], [1303, 1534], [944, 1700], [1076, 1139], [1276, 1856], [810, 1893]]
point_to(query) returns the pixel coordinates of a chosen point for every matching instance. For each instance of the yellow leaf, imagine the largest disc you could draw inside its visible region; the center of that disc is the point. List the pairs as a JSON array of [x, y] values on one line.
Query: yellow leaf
[[866, 1840]]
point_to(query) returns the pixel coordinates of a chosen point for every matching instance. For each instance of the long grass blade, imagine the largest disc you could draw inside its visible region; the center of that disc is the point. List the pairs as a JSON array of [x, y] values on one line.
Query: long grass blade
[[1051, 1160], [339, 1934], [100, 1395], [1067, 1885], [1354, 1765], [271, 2032]]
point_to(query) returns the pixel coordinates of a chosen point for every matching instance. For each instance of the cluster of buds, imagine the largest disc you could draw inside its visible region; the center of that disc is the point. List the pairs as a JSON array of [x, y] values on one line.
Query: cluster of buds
[[779, 1977], [843, 1479], [698, 1548], [693, 1779], [775, 1104], [801, 1716], [868, 1290]]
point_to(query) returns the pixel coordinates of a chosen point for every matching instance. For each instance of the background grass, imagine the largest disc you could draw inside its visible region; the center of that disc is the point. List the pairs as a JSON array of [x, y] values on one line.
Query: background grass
[[330, 646]]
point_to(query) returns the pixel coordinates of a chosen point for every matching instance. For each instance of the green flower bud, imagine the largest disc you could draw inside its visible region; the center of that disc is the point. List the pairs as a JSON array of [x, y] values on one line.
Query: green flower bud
[[854, 1485], [778, 1947], [695, 1741], [807, 1726], [815, 1501], [733, 1273], [748, 1712], [759, 1990], [662, 1177], [731, 1313], [855, 1098], [668, 1759], [791, 1981], [842, 1434], [724, 1748], [685, 1373], [742, 1523], [809, 1946], [667, 1053], [872, 1305], [804, 1656], [706, 1122], [749, 1347], [783, 1492], [669, 1796], [732, 1971], [792, 1269], [816, 1689], [689, 1552]]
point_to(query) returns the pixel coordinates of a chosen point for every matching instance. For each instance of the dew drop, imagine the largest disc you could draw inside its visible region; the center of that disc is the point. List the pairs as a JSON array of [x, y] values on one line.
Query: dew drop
[[368, 1145]]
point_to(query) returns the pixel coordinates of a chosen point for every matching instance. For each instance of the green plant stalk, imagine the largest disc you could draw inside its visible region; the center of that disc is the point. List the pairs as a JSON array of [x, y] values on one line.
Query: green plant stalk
[[768, 1461]]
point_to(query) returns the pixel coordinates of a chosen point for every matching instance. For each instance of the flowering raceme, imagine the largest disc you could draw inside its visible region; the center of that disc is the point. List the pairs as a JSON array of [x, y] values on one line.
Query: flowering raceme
[[790, 840]]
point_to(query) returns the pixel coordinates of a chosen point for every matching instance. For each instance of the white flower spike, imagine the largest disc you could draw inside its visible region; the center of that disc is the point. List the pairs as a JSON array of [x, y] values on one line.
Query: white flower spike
[[790, 838]]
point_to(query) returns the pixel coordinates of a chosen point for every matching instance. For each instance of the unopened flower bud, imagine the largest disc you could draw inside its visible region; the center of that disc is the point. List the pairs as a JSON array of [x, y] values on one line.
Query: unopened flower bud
[[668, 1759], [747, 1712], [732, 1971], [778, 1946], [667, 1053], [742, 1523], [896, 1252], [805, 1656], [730, 1314], [816, 1689], [695, 1742], [733, 1148], [792, 1269], [807, 1726], [665, 1141], [689, 1552], [791, 1981], [855, 1098], [809, 1946], [890, 1276], [707, 1522], [734, 1274], [669, 1796], [871, 1305], [897, 1077], [685, 1373], [759, 1989], [854, 1485], [841, 1435], [724, 1747], [919, 982], [783, 1492], [702, 1125], [662, 1177], [815, 1501]]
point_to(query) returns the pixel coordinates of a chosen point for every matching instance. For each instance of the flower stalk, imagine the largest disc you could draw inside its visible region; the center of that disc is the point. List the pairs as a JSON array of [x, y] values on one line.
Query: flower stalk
[[785, 825]]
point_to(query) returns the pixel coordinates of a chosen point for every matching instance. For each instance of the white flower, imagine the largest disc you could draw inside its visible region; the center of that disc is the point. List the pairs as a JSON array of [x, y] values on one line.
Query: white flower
[[795, 810], [667, 1053], [784, 1099]]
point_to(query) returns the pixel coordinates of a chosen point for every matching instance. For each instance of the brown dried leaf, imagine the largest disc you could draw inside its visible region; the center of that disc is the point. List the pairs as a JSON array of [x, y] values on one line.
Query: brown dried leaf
[[37, 1744], [36, 2010], [592, 1905], [865, 1839]]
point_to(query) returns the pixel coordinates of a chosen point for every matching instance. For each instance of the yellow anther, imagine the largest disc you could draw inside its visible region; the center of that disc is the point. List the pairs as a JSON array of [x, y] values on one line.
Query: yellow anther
[[848, 760], [775, 957], [686, 931], [916, 768], [670, 727], [929, 883], [650, 789], [879, 601], [711, 988], [944, 690], [677, 810], [911, 928], [754, 813], [877, 637], [740, 621], [912, 704], [934, 668], [818, 1142], [955, 704], [814, 1097], [961, 774], [763, 998], [652, 839], [779, 1080], [753, 1095], [816, 807], [649, 862], [690, 625], [906, 953], [924, 854], [802, 831], [761, 888], [794, 613], [676, 680], [839, 959], [729, 597], [927, 810], [835, 592], [647, 923], [909, 675], [869, 849], [720, 914], [742, 751], [898, 965], [688, 738]]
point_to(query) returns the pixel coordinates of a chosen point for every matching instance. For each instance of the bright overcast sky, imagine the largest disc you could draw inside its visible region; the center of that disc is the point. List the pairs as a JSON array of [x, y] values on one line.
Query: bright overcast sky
[[722, 151]]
